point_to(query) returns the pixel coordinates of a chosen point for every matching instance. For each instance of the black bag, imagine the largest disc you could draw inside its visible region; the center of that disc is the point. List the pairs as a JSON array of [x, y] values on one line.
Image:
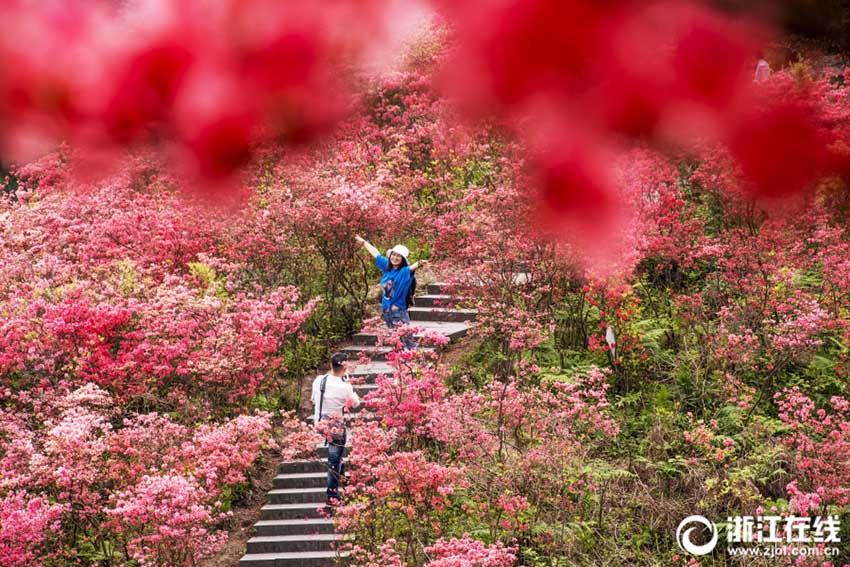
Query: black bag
[[338, 437]]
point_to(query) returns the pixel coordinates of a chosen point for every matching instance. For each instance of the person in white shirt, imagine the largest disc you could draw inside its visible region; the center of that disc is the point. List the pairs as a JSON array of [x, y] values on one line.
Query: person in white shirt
[[338, 396]]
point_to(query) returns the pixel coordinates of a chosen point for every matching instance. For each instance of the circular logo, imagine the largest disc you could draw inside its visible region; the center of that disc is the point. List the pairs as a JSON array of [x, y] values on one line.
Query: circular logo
[[683, 538]]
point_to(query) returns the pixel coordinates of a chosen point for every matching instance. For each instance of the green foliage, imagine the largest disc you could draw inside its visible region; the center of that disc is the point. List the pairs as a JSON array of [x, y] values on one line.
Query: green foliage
[[9, 182], [101, 552], [209, 281]]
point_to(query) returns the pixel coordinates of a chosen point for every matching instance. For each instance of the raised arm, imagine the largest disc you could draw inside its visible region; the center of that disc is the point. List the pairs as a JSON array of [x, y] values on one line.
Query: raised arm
[[372, 250]]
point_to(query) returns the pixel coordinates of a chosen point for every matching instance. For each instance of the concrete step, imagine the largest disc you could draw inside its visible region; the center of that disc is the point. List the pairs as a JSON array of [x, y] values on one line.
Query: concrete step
[[372, 370], [292, 543], [453, 330], [293, 511], [296, 495], [297, 559], [364, 390], [294, 527], [433, 300], [304, 466], [300, 480], [365, 338], [437, 288], [418, 314], [519, 277], [373, 352]]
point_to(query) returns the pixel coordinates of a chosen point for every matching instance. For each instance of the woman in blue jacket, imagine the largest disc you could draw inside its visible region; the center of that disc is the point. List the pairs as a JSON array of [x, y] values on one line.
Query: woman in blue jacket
[[395, 283]]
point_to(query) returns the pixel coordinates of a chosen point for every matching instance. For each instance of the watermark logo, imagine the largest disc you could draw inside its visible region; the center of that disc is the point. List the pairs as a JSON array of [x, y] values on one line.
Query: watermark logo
[[764, 536], [683, 535]]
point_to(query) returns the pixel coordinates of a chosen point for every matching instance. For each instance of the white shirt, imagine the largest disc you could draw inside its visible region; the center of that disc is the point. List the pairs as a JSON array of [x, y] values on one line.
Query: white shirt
[[337, 393]]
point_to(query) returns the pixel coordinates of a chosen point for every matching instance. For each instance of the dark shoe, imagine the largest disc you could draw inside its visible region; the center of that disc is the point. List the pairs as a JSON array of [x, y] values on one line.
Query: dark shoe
[[333, 501]]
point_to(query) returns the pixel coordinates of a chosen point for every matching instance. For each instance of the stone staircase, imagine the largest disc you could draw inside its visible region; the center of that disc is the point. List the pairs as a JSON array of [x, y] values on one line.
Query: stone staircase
[[294, 529]]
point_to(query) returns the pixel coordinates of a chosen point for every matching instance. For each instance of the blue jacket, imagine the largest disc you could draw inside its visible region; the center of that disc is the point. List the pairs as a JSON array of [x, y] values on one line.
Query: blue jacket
[[394, 283]]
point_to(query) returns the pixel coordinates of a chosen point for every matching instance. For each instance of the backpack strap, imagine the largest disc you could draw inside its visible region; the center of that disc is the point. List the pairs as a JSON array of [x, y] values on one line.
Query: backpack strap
[[322, 396]]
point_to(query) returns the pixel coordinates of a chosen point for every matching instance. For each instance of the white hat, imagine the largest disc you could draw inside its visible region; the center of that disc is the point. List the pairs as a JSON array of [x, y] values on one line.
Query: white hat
[[402, 251]]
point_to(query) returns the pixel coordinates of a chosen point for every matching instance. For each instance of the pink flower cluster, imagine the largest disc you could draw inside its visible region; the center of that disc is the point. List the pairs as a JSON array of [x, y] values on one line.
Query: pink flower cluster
[[298, 438], [469, 552], [163, 485], [28, 528], [706, 439], [819, 439], [117, 286], [167, 519], [491, 454]]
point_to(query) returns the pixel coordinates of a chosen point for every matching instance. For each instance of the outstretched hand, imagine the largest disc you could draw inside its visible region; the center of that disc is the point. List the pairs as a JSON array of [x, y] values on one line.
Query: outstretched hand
[[360, 240]]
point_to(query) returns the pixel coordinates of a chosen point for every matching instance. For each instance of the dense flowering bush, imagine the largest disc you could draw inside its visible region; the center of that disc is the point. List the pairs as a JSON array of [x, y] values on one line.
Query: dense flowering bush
[[149, 489], [166, 519], [819, 438], [468, 552], [432, 462], [206, 83], [28, 525], [211, 92]]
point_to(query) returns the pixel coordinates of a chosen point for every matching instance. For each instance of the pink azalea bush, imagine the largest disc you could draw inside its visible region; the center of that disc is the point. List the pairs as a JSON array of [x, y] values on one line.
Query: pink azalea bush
[[123, 292], [434, 460], [151, 489], [716, 300], [819, 438], [468, 552], [166, 521], [28, 525]]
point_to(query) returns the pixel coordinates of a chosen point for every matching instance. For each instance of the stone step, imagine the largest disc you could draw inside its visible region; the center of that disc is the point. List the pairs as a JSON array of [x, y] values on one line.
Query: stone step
[[293, 511], [296, 495], [294, 527], [365, 338], [292, 543], [453, 330], [375, 353], [437, 288], [519, 277], [304, 466], [433, 300], [418, 314], [372, 370], [364, 390], [296, 559], [300, 480]]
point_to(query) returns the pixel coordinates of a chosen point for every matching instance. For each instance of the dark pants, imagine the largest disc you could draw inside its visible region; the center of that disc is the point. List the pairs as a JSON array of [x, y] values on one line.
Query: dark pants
[[397, 318], [335, 467]]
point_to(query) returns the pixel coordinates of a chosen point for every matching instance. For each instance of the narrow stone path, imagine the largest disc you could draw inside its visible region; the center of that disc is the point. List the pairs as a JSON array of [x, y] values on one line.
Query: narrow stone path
[[293, 530]]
